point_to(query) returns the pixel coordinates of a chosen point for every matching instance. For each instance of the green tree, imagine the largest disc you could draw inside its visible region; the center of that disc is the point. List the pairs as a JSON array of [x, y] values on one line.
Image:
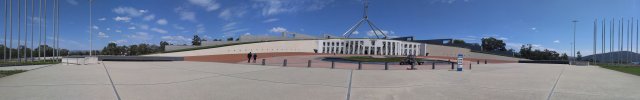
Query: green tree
[[459, 42], [564, 56], [163, 44], [579, 56], [493, 44], [196, 41], [230, 39]]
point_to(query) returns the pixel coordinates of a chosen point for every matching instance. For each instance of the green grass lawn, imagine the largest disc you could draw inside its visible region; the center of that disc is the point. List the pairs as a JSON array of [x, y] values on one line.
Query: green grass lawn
[[4, 73], [4, 64], [371, 59], [635, 70]]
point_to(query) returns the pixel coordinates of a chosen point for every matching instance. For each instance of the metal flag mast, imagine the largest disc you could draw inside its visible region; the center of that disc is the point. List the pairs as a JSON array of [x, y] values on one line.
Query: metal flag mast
[[365, 18]]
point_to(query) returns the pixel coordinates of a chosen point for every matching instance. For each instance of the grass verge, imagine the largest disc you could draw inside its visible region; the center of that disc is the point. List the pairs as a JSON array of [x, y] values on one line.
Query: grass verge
[[635, 70], [371, 59], [5, 64], [4, 73]]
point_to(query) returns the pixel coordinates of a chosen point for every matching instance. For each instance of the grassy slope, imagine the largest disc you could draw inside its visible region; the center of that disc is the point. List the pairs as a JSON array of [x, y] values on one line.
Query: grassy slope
[[370, 59], [635, 70], [4, 73], [4, 64]]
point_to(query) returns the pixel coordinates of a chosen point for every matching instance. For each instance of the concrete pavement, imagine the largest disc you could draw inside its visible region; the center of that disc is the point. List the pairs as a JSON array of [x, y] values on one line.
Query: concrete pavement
[[223, 81]]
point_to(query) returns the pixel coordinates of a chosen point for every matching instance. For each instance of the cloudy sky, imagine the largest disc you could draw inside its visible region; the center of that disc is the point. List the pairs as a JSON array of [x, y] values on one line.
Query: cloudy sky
[[544, 23]]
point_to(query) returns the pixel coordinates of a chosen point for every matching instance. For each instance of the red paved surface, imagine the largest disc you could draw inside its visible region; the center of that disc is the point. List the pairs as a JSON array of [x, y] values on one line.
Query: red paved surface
[[301, 60], [233, 58]]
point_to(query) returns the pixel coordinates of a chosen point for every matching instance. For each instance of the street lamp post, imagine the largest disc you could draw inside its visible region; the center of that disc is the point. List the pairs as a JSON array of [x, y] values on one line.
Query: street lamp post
[[573, 52], [90, 28]]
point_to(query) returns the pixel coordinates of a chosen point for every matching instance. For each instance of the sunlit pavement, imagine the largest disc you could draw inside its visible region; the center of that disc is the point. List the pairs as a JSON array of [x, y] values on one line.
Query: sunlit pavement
[[223, 81]]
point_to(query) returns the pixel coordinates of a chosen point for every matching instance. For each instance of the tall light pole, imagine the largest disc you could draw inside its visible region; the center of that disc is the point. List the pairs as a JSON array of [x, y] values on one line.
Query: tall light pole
[[4, 52], [11, 29], [26, 32], [32, 27], [573, 52], [603, 38], [90, 28], [595, 31], [19, 29]]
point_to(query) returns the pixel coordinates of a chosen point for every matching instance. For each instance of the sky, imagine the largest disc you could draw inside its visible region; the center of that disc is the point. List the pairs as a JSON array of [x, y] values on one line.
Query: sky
[[544, 23]]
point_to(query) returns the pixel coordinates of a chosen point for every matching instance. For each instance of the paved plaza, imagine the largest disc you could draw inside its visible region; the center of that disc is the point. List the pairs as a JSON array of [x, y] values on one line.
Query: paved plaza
[[184, 80]]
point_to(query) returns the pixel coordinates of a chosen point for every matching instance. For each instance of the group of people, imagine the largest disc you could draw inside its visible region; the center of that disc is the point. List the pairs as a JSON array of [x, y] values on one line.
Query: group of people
[[254, 55]]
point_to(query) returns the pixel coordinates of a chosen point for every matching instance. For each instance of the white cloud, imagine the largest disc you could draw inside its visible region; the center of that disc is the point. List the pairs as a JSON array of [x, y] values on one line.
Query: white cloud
[[149, 17], [229, 26], [119, 31], [556, 41], [186, 14], [176, 39], [278, 30], [95, 27], [533, 28], [225, 14], [176, 26], [130, 11], [144, 26], [159, 30], [270, 20], [132, 28], [162, 21], [355, 32], [124, 19], [247, 33], [102, 35], [72, 2], [228, 14], [140, 36], [371, 33], [200, 28], [108, 29], [503, 38], [119, 41], [273, 7], [230, 29], [209, 5], [102, 19]]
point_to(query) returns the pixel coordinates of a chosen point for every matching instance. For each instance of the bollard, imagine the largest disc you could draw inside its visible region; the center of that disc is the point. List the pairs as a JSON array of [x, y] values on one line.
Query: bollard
[[309, 63], [469, 66], [485, 61], [478, 61], [386, 65], [263, 62], [452, 66], [433, 65], [333, 64], [413, 66], [359, 65], [284, 63]]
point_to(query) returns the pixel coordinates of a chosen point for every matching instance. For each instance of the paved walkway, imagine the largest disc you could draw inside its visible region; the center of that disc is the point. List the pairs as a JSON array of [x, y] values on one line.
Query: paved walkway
[[223, 81]]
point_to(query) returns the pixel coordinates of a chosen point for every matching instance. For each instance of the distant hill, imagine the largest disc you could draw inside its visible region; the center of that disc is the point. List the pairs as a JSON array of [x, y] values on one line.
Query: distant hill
[[615, 56]]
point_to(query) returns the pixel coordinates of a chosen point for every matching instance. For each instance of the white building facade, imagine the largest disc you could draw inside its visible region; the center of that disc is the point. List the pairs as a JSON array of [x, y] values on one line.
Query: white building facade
[[371, 47]]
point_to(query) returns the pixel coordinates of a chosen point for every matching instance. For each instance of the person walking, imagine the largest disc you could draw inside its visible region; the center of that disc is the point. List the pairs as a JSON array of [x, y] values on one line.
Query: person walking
[[249, 57], [255, 56]]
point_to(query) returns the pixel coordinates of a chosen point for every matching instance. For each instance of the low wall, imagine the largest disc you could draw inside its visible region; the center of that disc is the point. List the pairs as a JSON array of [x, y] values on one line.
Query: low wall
[[447, 51], [263, 47]]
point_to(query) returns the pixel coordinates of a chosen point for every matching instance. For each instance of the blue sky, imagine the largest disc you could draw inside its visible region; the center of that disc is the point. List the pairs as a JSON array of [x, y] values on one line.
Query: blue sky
[[544, 23]]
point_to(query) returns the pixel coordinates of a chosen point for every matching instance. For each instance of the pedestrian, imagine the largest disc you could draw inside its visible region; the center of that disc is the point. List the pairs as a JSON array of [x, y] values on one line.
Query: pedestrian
[[249, 57], [255, 56]]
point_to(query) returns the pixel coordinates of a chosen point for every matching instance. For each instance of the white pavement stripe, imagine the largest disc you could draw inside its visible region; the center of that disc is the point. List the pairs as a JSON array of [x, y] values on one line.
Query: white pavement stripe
[[555, 84], [110, 80]]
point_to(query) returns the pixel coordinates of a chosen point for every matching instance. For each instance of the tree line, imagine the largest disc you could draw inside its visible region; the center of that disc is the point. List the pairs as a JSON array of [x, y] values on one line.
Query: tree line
[[137, 49], [496, 46], [36, 52]]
